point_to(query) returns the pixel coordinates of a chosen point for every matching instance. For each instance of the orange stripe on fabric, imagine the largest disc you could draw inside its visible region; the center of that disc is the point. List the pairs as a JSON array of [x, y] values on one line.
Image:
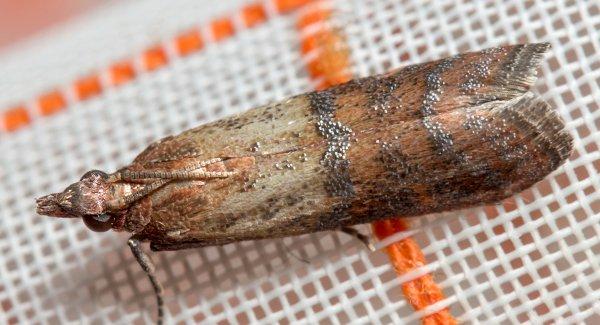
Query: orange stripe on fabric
[[188, 42], [313, 17], [329, 62], [87, 87], [222, 28], [15, 118], [51, 103], [284, 6], [154, 58], [119, 73], [253, 14]]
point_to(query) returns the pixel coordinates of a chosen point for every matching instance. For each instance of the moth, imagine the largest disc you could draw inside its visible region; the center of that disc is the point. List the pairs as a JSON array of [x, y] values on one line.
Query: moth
[[444, 135]]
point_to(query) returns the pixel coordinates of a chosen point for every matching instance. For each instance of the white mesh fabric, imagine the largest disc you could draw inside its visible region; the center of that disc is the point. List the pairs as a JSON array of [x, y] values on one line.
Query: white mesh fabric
[[533, 258]]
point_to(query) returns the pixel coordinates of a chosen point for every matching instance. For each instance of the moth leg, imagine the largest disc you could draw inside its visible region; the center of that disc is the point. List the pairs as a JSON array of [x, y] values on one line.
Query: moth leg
[[148, 266], [174, 246], [360, 236]]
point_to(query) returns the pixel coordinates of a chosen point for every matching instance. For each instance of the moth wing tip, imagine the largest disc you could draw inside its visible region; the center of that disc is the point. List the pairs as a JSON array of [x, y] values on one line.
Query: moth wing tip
[[543, 122]]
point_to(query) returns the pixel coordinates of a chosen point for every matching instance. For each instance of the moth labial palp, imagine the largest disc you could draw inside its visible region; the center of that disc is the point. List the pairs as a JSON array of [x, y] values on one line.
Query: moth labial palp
[[438, 136]]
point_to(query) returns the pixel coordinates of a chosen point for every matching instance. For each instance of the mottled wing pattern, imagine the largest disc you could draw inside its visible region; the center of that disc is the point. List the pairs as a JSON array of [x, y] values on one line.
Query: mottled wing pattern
[[438, 136], [461, 158], [432, 137]]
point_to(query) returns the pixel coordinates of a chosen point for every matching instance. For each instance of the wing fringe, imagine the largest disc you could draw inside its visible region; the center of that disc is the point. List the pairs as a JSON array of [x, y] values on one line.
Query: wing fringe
[[539, 122], [519, 70]]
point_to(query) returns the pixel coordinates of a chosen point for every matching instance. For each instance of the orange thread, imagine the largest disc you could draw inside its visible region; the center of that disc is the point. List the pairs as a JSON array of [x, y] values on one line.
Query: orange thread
[[407, 256], [121, 73], [87, 87], [188, 42], [154, 58], [284, 6], [253, 14], [16, 118], [329, 63], [51, 103], [313, 17], [332, 59], [222, 28]]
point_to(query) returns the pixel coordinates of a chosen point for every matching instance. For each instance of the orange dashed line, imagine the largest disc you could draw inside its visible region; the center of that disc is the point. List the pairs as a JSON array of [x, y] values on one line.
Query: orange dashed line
[[51, 103], [121, 73], [15, 118], [222, 28], [188, 42], [284, 6], [253, 14], [87, 87], [328, 63], [154, 58]]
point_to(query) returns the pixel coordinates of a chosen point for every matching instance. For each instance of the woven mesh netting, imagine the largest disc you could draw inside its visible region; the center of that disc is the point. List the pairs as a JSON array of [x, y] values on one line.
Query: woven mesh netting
[[533, 257]]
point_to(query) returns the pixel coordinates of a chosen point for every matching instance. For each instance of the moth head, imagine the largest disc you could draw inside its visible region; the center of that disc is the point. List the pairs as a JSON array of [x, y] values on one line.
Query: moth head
[[86, 199]]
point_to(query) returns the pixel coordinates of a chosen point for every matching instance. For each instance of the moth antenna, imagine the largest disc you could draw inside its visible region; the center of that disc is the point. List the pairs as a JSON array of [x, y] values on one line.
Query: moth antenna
[[122, 202], [171, 175], [194, 170], [207, 174], [144, 191]]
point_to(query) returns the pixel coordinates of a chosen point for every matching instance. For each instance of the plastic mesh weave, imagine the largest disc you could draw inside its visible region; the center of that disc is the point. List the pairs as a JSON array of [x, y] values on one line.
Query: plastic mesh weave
[[532, 258]]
